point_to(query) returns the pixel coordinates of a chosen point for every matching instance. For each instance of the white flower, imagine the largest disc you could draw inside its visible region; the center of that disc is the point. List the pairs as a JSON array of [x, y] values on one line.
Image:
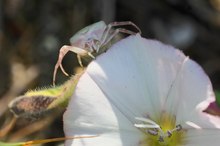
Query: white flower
[[142, 93]]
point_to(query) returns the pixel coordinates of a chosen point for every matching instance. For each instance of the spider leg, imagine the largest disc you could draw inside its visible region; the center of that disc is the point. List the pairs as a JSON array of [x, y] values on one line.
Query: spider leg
[[90, 54], [116, 31], [63, 50], [62, 53], [92, 48], [79, 60], [106, 35], [124, 23]]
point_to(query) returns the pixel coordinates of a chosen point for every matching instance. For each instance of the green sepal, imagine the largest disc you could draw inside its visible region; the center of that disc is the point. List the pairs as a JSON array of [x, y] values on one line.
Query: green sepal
[[65, 92], [35, 103]]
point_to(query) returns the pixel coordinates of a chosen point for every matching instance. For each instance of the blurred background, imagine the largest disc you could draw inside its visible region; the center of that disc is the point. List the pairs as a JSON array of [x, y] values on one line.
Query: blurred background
[[33, 31]]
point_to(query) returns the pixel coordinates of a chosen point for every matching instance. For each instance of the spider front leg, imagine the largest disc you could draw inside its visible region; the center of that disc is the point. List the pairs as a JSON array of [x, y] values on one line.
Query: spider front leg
[[62, 53]]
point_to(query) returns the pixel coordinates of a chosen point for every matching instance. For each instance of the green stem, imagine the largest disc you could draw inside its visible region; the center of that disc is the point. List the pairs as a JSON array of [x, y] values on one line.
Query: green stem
[[11, 144]]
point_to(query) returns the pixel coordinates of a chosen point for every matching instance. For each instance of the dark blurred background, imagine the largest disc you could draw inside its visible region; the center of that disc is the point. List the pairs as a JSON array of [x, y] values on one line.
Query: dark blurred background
[[32, 32]]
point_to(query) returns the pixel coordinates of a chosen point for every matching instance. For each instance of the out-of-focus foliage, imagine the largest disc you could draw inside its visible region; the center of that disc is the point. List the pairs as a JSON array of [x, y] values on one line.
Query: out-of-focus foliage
[[218, 98], [32, 32]]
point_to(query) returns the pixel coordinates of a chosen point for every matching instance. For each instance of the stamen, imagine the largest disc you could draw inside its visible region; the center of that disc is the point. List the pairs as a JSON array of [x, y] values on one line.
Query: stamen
[[170, 132], [145, 126], [154, 129], [151, 124], [146, 120], [178, 128]]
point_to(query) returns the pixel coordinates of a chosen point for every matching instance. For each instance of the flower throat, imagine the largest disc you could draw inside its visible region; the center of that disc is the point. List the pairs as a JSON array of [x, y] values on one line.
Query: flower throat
[[163, 133]]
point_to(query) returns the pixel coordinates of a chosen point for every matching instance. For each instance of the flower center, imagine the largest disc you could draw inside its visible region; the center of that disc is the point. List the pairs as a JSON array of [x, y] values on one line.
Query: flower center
[[163, 133]]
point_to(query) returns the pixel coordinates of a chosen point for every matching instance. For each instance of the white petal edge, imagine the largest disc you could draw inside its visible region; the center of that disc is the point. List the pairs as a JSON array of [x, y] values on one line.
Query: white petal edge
[[190, 94]]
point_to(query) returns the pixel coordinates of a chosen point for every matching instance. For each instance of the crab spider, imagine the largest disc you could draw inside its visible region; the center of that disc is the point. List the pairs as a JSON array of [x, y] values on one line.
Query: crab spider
[[90, 39]]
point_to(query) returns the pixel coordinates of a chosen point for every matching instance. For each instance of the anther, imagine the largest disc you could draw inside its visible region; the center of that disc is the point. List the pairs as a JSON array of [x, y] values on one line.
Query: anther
[[153, 132], [160, 139], [169, 133], [178, 127]]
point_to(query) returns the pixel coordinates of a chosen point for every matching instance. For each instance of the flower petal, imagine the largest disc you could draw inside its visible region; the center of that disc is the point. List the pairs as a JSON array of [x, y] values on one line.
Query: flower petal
[[190, 88], [90, 113], [190, 94], [202, 137], [136, 74], [123, 138], [136, 77]]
